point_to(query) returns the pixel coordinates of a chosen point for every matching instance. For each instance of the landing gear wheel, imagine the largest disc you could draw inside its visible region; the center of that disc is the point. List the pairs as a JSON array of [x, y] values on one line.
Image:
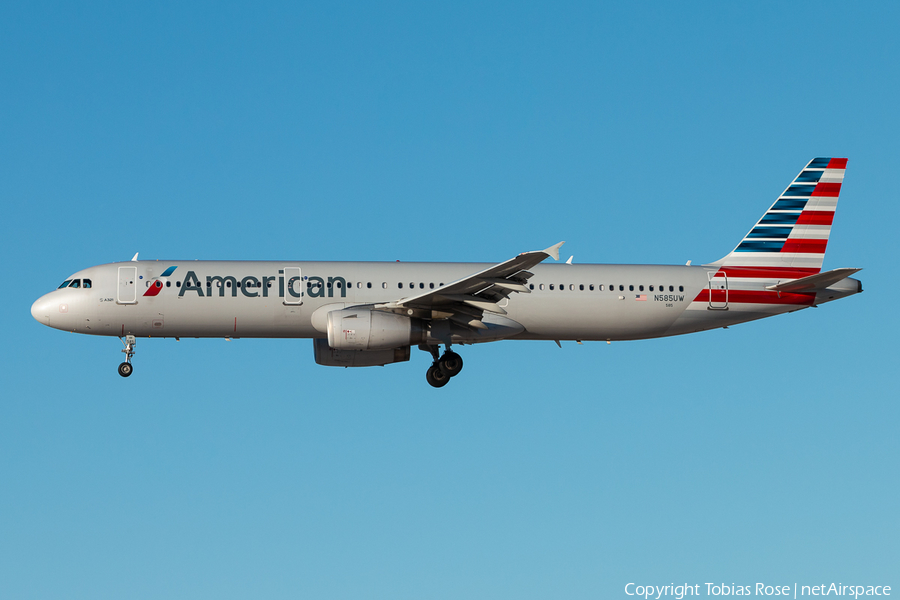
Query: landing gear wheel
[[451, 363], [125, 369], [436, 377]]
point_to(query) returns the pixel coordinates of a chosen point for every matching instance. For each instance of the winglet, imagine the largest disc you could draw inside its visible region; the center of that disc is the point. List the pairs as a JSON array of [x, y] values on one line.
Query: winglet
[[134, 258], [553, 251], [569, 262]]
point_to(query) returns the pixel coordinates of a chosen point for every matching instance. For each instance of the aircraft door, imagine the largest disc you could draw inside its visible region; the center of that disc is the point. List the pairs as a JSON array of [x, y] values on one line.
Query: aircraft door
[[293, 286], [718, 291], [127, 286]]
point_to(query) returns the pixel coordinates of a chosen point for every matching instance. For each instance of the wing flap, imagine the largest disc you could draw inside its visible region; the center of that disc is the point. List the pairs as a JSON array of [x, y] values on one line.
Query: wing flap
[[506, 284], [476, 302]]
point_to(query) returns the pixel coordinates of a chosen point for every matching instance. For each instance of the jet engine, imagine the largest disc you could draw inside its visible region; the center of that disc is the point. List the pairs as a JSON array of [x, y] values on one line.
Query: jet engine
[[367, 329]]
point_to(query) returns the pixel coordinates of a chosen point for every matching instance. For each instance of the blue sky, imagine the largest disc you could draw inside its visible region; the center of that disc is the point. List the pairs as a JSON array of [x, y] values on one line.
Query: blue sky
[[644, 133]]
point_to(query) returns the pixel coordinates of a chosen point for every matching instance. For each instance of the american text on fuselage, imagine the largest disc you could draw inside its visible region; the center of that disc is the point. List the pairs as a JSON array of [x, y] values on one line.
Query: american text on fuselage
[[253, 287]]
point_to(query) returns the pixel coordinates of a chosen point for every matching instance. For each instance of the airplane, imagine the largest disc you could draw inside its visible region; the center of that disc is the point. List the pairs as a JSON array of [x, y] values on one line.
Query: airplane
[[362, 314]]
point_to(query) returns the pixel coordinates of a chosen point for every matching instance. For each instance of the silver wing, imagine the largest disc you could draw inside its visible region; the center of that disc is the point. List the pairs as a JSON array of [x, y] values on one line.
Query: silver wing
[[466, 300]]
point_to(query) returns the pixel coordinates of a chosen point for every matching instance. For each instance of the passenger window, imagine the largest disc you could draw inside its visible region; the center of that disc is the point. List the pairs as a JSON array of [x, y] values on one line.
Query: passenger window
[[551, 286], [168, 284], [421, 286], [621, 288], [671, 289], [369, 285], [592, 287], [411, 285], [630, 288], [541, 286], [530, 286], [640, 288], [177, 284], [572, 287], [431, 285], [399, 286], [86, 283], [76, 283], [680, 288], [651, 288]]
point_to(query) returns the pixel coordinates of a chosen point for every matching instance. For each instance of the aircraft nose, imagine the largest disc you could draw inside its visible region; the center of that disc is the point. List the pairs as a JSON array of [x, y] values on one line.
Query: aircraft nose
[[40, 310]]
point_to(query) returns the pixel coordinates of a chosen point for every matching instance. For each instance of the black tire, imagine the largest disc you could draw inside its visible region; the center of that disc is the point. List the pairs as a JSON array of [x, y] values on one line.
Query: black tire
[[436, 377], [125, 369], [451, 364]]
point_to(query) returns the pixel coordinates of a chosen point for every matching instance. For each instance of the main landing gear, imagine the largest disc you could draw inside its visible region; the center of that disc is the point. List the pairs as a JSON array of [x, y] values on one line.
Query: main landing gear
[[444, 367], [126, 368]]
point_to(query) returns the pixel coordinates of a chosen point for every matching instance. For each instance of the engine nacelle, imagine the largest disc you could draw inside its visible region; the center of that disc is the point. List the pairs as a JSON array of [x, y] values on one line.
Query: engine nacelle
[[328, 356], [367, 329]]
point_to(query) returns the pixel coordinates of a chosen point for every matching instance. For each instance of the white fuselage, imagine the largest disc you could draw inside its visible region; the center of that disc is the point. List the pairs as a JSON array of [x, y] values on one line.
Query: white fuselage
[[250, 299]]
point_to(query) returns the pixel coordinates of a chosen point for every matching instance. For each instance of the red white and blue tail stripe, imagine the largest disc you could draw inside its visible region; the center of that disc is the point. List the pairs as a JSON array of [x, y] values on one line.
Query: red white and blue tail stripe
[[792, 236]]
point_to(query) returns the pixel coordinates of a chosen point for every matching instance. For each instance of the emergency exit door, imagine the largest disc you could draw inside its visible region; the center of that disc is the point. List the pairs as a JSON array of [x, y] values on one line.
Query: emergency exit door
[[293, 286]]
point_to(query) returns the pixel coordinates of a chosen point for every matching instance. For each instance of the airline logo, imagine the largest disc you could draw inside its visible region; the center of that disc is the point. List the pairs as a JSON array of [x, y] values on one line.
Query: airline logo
[[156, 285], [800, 220]]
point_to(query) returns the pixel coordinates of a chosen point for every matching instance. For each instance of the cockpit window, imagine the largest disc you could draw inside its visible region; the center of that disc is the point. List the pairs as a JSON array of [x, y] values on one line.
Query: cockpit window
[[76, 283], [64, 284], [86, 283]]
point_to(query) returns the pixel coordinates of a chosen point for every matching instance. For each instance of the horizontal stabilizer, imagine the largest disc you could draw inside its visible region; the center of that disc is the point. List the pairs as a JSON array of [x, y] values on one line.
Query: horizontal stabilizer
[[813, 283]]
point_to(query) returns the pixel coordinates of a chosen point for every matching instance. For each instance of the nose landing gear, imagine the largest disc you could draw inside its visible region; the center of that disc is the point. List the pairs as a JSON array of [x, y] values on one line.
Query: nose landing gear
[[126, 368], [444, 367]]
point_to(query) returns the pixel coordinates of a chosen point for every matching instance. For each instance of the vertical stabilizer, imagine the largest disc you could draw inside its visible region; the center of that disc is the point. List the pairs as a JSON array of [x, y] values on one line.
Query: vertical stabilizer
[[793, 234]]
